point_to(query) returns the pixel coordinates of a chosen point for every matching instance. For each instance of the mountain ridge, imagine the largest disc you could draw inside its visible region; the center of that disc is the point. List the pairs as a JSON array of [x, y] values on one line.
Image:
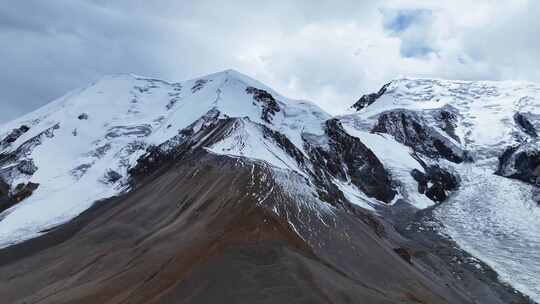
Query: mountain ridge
[[345, 189]]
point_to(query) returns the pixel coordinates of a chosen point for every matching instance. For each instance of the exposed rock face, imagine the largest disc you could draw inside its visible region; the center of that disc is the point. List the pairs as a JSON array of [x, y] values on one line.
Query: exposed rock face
[[26, 147], [111, 177], [9, 198], [349, 157], [409, 128], [524, 124], [136, 131], [287, 146], [368, 99], [27, 167], [447, 122], [436, 183], [521, 162], [14, 165], [5, 201], [13, 136], [404, 254], [199, 84], [344, 157], [269, 105], [23, 191], [422, 180]]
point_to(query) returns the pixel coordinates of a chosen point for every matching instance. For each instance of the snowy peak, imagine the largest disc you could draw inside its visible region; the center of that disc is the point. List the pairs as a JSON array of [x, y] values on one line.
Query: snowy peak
[[413, 93], [84, 144], [487, 116]]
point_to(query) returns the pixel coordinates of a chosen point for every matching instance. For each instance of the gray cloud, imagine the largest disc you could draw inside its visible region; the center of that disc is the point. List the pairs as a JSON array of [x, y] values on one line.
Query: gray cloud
[[326, 51]]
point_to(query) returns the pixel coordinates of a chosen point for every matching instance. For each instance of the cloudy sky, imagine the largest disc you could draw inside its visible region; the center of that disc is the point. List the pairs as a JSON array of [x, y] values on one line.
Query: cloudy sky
[[330, 52]]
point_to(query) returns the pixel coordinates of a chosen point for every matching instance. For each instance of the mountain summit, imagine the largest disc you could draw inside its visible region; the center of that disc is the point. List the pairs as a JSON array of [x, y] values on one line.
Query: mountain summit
[[82, 145], [137, 190]]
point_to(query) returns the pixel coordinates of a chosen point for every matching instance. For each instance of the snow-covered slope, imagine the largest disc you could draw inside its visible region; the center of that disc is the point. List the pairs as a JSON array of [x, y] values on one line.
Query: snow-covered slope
[[486, 110], [480, 131], [496, 219], [79, 148]]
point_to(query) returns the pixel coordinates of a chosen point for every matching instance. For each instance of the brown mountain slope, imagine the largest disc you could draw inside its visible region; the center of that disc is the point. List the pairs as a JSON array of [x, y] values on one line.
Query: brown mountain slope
[[215, 229]]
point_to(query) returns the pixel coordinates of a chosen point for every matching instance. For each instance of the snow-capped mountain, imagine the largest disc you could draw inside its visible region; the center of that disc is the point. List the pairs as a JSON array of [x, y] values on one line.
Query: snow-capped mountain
[[483, 117], [221, 170], [486, 133], [79, 148]]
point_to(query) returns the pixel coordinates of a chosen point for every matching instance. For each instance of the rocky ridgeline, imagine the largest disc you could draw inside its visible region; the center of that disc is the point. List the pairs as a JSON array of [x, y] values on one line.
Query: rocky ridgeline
[[15, 165], [368, 99], [431, 134]]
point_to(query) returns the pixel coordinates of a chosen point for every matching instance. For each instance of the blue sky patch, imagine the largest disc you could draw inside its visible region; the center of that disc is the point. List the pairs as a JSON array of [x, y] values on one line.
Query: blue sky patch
[[412, 51], [412, 27], [398, 21]]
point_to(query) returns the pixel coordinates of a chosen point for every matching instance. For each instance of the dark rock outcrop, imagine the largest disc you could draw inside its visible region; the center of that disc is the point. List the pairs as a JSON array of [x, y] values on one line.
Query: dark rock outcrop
[[404, 254], [199, 84], [175, 97], [5, 200], [521, 162], [436, 183], [23, 191], [16, 164], [347, 158], [175, 148], [436, 193], [122, 131], [536, 195], [10, 197], [13, 136], [368, 99], [422, 180], [26, 147], [409, 128], [269, 104], [524, 124], [286, 145], [447, 121], [27, 166], [111, 177]]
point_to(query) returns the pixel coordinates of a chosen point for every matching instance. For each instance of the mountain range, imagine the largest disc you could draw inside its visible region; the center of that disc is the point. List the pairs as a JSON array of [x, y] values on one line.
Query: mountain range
[[139, 190]]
